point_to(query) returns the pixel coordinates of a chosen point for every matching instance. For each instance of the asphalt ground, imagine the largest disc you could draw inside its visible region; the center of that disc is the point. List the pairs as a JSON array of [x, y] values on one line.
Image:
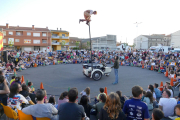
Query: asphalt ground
[[57, 78]]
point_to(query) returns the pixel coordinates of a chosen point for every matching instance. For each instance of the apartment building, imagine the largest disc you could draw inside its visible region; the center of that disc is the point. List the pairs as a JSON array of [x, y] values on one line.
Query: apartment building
[[101, 43], [26, 38], [60, 39]]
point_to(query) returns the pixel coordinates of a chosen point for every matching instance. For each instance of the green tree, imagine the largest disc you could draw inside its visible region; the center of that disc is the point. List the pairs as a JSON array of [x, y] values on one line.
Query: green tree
[[10, 43], [88, 44], [77, 44], [133, 45], [62, 44]]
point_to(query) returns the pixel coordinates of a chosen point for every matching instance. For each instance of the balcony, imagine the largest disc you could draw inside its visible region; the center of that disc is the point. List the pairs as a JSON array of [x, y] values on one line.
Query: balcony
[[55, 36], [64, 37], [67, 44], [55, 43]]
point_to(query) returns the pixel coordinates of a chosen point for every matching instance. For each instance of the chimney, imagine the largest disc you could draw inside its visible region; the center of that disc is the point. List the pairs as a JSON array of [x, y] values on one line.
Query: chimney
[[47, 27], [33, 27], [60, 29], [17, 26], [7, 25], [57, 28]]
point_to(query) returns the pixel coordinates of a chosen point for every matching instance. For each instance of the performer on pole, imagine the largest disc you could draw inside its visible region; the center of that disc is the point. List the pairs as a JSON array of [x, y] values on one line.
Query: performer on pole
[[87, 16], [116, 67]]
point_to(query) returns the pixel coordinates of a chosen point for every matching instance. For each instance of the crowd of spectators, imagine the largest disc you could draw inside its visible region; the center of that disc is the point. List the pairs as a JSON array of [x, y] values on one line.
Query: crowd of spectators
[[114, 106]]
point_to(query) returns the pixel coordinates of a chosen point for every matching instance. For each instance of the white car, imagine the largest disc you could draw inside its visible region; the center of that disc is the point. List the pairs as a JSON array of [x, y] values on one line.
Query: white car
[[97, 71]]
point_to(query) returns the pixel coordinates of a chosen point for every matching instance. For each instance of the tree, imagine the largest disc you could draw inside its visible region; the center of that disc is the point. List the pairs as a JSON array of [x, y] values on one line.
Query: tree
[[77, 44], [88, 44], [62, 44]]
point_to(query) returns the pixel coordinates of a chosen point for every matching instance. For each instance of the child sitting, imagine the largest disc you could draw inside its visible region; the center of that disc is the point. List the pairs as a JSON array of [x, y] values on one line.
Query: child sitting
[[171, 74]]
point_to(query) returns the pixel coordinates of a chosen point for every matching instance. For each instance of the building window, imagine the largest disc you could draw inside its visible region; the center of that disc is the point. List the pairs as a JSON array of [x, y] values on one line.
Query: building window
[[4, 40], [36, 41], [10, 33], [28, 34], [44, 34], [44, 41], [63, 35], [36, 48], [27, 41], [36, 34], [16, 40], [4, 33], [18, 33]]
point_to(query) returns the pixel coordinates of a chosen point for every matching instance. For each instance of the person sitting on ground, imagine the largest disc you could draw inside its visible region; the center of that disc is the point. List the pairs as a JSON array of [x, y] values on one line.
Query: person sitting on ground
[[167, 104], [4, 90], [157, 114], [12, 79], [17, 80], [77, 111], [171, 74], [45, 97], [122, 99], [15, 99], [135, 104], [86, 92], [112, 108], [63, 98], [157, 91], [53, 101], [30, 86], [148, 99], [171, 90], [84, 102], [151, 89], [40, 109], [25, 93], [99, 105], [101, 90]]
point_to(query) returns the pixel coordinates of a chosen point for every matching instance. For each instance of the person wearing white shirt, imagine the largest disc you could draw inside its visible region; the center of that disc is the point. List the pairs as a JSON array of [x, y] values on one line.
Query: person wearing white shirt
[[87, 16], [167, 104]]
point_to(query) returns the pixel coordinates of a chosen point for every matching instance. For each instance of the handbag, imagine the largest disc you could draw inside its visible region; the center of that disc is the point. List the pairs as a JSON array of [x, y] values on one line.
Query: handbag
[[93, 111]]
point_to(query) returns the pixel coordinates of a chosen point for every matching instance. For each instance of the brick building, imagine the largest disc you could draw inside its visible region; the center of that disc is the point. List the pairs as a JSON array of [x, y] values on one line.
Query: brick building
[[26, 38]]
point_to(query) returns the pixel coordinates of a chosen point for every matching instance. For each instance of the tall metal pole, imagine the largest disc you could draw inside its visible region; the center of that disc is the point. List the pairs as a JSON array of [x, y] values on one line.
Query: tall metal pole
[[90, 46]]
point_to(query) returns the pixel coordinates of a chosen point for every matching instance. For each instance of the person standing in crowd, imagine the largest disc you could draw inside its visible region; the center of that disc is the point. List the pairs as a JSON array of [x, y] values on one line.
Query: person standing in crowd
[[135, 108], [116, 67]]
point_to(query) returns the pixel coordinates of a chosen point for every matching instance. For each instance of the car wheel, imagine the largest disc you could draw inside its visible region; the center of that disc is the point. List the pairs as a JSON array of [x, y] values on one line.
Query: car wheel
[[97, 75]]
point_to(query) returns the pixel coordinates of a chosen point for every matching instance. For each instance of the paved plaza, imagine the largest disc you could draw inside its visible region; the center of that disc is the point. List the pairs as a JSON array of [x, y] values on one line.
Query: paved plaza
[[57, 78]]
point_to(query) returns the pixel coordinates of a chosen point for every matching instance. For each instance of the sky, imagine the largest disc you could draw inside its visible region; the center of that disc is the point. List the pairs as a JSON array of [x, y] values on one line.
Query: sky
[[114, 17]]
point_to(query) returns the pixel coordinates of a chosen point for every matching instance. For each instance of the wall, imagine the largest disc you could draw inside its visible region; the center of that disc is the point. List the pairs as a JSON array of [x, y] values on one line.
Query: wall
[[175, 39]]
